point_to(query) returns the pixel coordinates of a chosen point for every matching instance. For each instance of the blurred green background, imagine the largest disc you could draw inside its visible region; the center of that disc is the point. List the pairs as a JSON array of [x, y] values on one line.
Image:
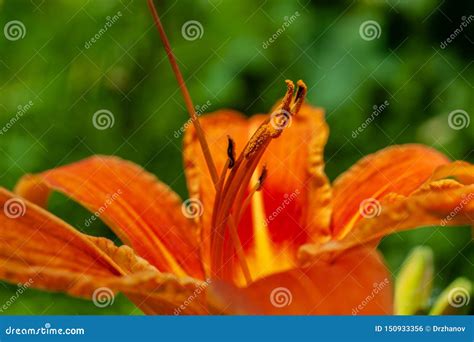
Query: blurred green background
[[125, 72]]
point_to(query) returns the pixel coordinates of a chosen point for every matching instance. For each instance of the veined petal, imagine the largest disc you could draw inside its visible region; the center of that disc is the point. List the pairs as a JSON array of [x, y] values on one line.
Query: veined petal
[[142, 211], [444, 202], [398, 169], [40, 249], [36, 244], [441, 203], [460, 171], [355, 282]]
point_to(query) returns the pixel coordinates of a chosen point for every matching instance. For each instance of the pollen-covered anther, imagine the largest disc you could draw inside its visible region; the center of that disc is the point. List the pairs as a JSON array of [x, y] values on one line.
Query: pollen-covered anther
[[288, 98], [279, 119], [257, 140]]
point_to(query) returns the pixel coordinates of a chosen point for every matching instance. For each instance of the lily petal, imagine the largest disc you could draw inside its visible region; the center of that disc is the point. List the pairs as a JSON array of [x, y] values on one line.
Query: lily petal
[[440, 203], [444, 202], [398, 169], [359, 276], [36, 244], [142, 211], [461, 171], [40, 249]]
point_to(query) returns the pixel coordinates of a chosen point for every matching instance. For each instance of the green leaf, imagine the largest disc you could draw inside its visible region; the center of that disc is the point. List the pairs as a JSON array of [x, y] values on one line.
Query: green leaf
[[455, 299], [414, 282]]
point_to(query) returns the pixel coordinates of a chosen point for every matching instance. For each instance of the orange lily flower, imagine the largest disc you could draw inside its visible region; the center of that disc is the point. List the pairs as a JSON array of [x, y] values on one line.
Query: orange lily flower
[[307, 246], [248, 240]]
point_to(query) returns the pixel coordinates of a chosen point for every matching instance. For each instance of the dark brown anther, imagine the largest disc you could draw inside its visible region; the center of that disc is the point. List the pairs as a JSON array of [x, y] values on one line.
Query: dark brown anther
[[299, 92], [231, 151], [262, 178], [300, 95]]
